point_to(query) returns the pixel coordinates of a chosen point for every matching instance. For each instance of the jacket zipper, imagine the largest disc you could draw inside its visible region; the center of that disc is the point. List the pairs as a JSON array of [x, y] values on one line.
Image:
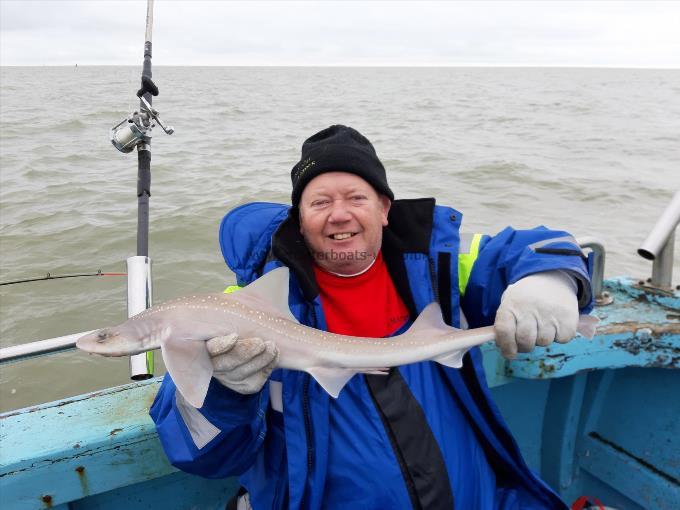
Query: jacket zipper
[[308, 424], [433, 280], [307, 415]]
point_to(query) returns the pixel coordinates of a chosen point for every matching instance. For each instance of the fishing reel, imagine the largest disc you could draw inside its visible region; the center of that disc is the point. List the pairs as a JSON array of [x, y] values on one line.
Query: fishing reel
[[136, 127]]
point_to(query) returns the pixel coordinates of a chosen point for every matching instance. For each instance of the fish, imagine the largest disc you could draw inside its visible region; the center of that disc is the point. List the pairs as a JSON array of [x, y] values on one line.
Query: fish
[[180, 328]]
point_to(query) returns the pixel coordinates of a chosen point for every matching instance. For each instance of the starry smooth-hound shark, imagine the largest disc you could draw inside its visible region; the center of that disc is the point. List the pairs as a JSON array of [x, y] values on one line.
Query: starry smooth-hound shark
[[181, 326]]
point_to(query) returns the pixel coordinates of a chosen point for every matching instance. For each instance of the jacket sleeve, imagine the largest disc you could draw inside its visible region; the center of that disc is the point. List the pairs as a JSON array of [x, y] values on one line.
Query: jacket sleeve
[[220, 439], [513, 254]]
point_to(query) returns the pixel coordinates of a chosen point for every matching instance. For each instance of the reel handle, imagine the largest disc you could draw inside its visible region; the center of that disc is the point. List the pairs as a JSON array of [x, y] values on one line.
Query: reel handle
[[154, 115]]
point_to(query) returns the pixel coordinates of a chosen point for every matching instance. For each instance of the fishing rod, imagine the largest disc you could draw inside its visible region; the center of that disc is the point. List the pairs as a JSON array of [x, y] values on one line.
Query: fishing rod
[[50, 276], [135, 132]]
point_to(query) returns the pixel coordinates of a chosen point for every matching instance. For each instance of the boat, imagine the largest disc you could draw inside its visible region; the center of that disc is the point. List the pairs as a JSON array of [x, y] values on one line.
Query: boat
[[605, 411]]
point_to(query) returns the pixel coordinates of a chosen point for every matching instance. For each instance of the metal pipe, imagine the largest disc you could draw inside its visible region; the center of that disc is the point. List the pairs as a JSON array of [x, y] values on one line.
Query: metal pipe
[[662, 268], [139, 299], [665, 225], [599, 253], [40, 347], [659, 244]]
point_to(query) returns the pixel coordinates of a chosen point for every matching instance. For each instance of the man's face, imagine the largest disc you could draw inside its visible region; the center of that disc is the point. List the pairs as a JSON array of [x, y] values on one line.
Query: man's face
[[341, 219]]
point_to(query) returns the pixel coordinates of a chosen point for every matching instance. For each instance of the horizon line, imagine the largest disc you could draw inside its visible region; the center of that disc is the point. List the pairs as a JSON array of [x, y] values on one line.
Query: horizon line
[[406, 65]]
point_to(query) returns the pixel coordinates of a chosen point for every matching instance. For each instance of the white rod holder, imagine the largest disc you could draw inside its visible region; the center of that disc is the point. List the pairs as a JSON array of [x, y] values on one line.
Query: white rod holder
[[139, 299]]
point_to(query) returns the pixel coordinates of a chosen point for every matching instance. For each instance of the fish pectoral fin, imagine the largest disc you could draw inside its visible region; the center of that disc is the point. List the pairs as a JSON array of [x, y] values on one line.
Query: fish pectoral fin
[[587, 325], [332, 379], [453, 359], [190, 367]]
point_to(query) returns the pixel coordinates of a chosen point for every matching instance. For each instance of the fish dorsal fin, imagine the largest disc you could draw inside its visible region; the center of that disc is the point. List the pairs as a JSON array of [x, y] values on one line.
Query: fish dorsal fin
[[429, 318], [430, 321], [269, 293]]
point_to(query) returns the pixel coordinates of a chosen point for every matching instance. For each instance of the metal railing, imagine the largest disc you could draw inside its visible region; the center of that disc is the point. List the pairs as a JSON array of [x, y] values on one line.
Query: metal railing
[[601, 296], [659, 245], [139, 299], [40, 347]]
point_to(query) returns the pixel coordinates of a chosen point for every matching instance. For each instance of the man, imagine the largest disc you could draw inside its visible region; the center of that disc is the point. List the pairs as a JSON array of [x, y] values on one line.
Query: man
[[425, 436]]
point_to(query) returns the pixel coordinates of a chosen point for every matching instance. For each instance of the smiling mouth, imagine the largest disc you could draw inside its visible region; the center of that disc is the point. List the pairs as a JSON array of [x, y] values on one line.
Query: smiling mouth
[[342, 236]]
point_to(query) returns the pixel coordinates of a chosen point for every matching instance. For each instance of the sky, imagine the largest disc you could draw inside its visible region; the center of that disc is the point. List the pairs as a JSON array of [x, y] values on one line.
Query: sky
[[643, 34]]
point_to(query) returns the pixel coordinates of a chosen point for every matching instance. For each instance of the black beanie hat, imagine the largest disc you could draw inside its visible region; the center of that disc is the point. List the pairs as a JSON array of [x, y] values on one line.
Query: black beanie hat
[[338, 149]]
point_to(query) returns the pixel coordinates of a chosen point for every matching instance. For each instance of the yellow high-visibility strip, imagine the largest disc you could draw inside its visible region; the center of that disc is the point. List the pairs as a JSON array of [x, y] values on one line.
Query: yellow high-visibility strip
[[232, 288], [465, 263]]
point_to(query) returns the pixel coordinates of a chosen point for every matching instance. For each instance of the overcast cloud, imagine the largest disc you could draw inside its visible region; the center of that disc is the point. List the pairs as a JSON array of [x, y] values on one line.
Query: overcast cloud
[[612, 34]]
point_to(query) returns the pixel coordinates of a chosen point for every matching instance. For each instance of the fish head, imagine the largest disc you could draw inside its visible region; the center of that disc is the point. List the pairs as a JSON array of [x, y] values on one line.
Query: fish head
[[109, 342]]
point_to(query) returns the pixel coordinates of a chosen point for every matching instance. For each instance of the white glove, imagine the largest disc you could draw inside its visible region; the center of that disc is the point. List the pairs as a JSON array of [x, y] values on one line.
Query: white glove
[[242, 364], [536, 310]]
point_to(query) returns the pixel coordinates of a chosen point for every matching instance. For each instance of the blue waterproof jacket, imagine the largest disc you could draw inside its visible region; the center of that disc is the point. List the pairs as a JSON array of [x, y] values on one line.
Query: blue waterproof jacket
[[395, 444]]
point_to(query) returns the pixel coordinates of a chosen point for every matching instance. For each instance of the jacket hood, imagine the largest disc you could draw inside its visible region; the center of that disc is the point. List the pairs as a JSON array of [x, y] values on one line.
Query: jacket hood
[[246, 237]]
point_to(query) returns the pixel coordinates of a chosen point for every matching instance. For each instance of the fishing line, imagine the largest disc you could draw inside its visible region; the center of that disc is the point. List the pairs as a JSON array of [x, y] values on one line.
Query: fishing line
[[50, 276], [133, 79]]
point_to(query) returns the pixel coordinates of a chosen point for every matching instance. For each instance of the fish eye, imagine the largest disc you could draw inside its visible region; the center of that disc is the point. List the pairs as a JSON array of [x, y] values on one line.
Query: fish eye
[[102, 336]]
